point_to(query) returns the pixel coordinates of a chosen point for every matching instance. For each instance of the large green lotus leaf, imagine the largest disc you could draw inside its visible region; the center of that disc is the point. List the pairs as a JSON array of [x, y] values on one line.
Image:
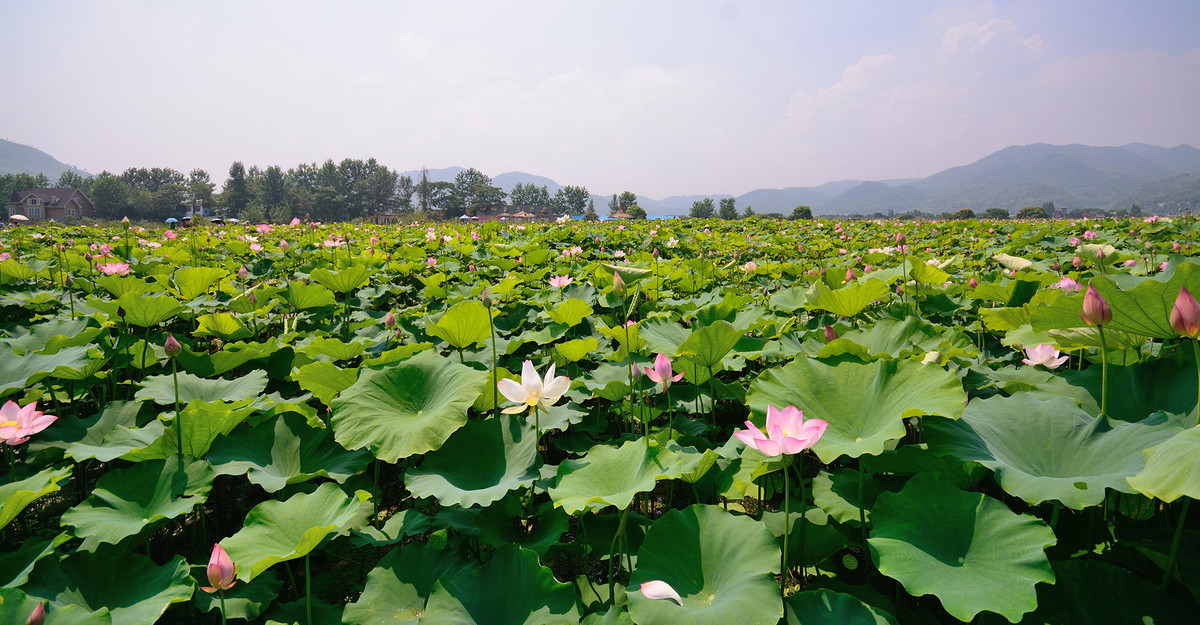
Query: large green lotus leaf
[[201, 424], [15, 566], [663, 335], [1172, 468], [577, 349], [192, 282], [1092, 591], [399, 585], [407, 408], [14, 496], [1136, 392], [18, 372], [968, 549], [325, 380], [332, 348], [16, 606], [513, 588], [478, 464], [148, 311], [231, 356], [303, 296], [12, 268], [296, 613], [244, 600], [276, 531], [826, 606], [1050, 450], [119, 286], [611, 617], [570, 312], [51, 336], [114, 433], [287, 451], [847, 301], [126, 501], [611, 476], [892, 337], [345, 281], [821, 538], [161, 389], [463, 325], [1144, 309], [927, 274], [838, 494], [131, 586], [404, 523], [912, 459], [720, 564], [865, 404], [223, 325], [707, 346]]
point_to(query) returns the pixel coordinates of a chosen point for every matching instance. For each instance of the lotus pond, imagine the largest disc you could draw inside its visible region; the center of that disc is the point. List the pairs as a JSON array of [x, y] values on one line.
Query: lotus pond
[[682, 422]]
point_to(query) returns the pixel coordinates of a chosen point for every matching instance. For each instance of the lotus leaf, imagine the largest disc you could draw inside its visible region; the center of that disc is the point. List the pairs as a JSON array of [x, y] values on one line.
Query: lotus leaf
[[1172, 468], [611, 476], [286, 452], [827, 606], [14, 496], [161, 388], [478, 464], [513, 588]]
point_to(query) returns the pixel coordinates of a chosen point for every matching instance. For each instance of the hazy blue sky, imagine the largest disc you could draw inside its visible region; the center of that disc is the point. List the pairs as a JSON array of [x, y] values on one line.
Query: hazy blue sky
[[660, 98]]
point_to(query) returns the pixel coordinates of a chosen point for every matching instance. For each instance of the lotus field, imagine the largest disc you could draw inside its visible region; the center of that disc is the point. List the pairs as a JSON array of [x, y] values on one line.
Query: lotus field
[[673, 422]]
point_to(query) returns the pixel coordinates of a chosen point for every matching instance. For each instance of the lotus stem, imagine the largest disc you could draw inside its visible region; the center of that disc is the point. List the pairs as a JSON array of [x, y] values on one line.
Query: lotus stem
[[1196, 357], [862, 511], [612, 555], [787, 516], [671, 424], [178, 414], [307, 590], [221, 594], [495, 393], [1175, 542], [1104, 373], [803, 515]]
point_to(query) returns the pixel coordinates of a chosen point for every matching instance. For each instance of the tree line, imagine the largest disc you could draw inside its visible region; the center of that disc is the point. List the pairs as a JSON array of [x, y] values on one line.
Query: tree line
[[345, 191]]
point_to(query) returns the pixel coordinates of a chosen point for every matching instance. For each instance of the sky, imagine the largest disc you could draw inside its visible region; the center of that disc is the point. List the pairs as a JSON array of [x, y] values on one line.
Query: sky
[[660, 98]]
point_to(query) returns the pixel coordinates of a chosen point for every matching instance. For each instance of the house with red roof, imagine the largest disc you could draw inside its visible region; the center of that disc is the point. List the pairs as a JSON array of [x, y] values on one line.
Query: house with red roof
[[56, 204]]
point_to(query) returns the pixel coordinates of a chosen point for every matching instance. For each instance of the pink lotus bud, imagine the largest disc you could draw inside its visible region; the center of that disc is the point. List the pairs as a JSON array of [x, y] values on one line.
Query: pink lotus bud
[[252, 298], [220, 571], [900, 238], [243, 272], [389, 320], [973, 282], [283, 245], [830, 333], [1175, 246], [1095, 310], [1076, 261], [1099, 254], [38, 616], [486, 298], [618, 285], [172, 346], [850, 277], [1185, 316], [1056, 266]]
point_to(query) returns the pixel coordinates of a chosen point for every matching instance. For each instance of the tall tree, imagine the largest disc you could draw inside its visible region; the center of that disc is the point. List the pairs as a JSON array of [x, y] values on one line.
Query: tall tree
[[74, 180], [235, 194], [702, 209], [474, 190], [424, 192], [572, 200], [273, 192], [200, 186], [110, 196], [529, 195], [802, 212], [728, 208], [404, 193]]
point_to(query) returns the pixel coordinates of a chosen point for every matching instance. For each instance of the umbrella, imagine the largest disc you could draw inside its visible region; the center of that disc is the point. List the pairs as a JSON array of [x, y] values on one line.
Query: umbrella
[[172, 220], [465, 217], [19, 218]]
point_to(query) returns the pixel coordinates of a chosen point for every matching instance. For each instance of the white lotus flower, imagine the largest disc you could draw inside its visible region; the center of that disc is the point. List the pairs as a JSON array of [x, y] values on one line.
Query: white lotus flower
[[533, 392]]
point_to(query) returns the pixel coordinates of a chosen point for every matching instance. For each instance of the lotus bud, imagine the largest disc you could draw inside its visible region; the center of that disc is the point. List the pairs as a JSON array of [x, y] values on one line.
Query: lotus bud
[[68, 281], [1095, 310], [618, 285], [120, 312], [172, 346], [973, 282], [1076, 261], [1185, 316], [243, 272], [283, 245], [1056, 266], [220, 571], [1099, 254], [900, 238], [830, 333], [389, 320], [850, 277], [125, 222], [486, 298], [1175, 246], [38, 616]]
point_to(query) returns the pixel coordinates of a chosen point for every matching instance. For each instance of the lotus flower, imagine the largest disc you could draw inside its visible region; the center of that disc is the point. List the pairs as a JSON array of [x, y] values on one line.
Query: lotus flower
[[750, 267], [114, 269], [1067, 285], [787, 432], [658, 589], [220, 571], [559, 282], [533, 392], [38, 616], [1185, 315], [17, 424], [661, 372], [850, 277], [172, 346], [1095, 310], [830, 333], [1044, 355]]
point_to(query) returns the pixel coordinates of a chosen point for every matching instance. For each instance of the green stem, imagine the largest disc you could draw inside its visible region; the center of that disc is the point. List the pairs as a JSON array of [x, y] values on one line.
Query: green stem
[[495, 382], [803, 510], [629, 366], [612, 556], [178, 416], [671, 425], [1103, 373], [1054, 514], [1175, 542], [221, 594], [787, 516], [1196, 356], [307, 590], [862, 511]]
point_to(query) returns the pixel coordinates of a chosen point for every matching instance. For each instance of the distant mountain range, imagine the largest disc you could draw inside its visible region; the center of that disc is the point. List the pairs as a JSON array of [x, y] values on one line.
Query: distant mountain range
[[1071, 176], [16, 158]]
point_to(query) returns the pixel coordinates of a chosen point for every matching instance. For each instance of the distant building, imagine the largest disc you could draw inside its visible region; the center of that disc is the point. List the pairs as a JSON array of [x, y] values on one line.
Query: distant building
[[56, 204]]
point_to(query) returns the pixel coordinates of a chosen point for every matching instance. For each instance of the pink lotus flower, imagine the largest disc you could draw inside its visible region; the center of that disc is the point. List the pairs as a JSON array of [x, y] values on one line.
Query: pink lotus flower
[[17, 424], [220, 571], [559, 282], [661, 372], [170, 234], [787, 432], [295, 221], [1185, 315], [1067, 285], [658, 589], [1095, 310], [263, 228], [750, 267], [283, 244], [533, 392], [114, 269], [1044, 355], [850, 277]]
